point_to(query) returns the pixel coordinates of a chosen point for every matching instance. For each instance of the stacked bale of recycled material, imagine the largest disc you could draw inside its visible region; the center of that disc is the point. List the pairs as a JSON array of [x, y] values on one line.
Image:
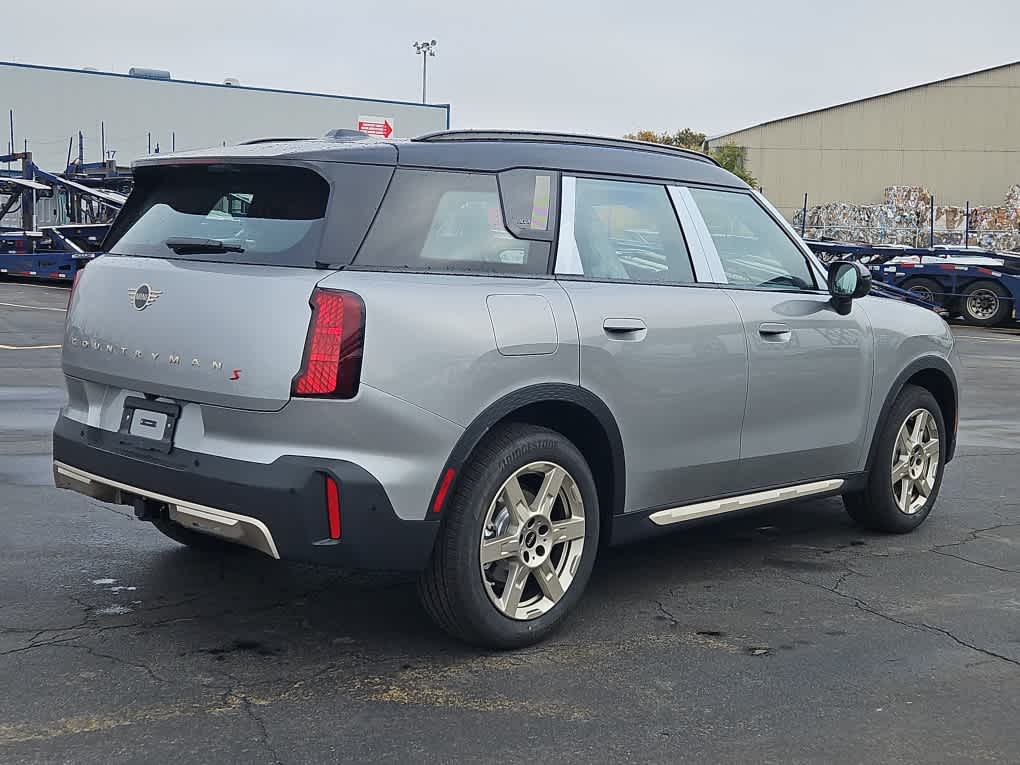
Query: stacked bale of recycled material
[[904, 217]]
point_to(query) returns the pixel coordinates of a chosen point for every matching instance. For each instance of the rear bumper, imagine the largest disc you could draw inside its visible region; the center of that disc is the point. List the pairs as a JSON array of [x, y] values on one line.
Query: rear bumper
[[278, 508]]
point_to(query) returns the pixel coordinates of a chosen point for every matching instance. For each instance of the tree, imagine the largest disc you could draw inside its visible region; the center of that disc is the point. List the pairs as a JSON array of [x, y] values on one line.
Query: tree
[[730, 156], [685, 139]]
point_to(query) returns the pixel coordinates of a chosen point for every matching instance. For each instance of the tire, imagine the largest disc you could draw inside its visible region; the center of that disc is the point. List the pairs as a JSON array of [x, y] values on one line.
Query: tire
[[194, 539], [985, 304], [878, 505], [464, 597], [926, 289]]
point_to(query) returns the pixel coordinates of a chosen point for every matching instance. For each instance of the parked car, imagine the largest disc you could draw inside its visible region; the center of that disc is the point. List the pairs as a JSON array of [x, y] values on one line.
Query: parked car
[[484, 356]]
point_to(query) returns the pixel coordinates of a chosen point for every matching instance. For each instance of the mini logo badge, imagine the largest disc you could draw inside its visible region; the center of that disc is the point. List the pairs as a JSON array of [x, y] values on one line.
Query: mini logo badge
[[143, 296]]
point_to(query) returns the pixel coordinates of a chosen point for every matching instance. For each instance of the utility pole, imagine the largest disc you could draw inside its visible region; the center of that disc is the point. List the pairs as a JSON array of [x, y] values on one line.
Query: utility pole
[[425, 49]]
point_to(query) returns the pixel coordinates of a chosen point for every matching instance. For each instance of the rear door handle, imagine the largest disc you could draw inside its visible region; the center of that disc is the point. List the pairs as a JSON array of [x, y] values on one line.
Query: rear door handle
[[774, 331], [621, 326]]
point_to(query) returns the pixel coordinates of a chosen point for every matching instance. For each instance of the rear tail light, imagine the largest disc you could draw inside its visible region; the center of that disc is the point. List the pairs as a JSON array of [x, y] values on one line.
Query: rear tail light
[[332, 362], [333, 507]]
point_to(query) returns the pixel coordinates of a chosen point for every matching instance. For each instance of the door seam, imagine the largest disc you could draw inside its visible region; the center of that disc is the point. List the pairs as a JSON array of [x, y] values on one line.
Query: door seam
[[747, 375]]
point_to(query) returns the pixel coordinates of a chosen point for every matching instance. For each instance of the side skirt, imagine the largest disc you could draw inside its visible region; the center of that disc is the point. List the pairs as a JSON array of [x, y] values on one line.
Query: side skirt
[[742, 502], [630, 527]]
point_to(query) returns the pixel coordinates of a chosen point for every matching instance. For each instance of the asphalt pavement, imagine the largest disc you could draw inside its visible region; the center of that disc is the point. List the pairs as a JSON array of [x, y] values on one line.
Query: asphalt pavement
[[787, 636]]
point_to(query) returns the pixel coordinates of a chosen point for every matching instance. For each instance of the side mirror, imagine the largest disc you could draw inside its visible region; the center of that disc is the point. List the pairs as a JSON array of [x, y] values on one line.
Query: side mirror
[[848, 281]]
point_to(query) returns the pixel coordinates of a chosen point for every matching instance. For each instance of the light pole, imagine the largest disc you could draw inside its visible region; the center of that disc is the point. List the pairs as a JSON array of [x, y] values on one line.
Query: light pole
[[425, 49]]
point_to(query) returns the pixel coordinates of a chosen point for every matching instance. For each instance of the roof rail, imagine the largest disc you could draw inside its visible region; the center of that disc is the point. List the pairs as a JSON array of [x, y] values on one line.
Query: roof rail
[[571, 138], [270, 140]]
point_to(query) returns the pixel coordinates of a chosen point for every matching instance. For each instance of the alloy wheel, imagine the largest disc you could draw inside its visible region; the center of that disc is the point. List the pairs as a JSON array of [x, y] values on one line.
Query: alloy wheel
[[532, 540], [915, 461]]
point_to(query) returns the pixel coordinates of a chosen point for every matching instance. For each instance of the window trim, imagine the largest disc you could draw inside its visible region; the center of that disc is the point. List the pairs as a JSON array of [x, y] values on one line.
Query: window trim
[[446, 272], [566, 241], [570, 265], [713, 254], [711, 264]]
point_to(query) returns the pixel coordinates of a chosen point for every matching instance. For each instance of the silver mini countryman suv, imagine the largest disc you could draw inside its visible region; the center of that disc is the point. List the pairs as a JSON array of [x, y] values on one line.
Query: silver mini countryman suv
[[483, 356]]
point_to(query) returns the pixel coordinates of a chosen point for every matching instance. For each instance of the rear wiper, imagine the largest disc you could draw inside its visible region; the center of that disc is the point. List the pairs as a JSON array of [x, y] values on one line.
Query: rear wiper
[[189, 245]]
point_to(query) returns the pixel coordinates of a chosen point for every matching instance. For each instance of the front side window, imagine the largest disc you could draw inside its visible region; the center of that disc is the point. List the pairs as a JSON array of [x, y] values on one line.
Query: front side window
[[437, 220], [623, 231], [755, 251]]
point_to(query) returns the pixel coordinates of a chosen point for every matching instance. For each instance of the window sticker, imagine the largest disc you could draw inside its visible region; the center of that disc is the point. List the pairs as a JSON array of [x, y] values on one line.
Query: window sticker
[[541, 203]]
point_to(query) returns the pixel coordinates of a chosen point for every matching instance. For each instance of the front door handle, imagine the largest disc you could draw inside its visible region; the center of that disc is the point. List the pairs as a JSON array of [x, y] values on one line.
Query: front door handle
[[774, 331], [621, 326]]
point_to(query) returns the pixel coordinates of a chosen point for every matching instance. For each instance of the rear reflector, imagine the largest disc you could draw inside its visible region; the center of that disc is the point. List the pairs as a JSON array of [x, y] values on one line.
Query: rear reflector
[[333, 507], [444, 489], [332, 361]]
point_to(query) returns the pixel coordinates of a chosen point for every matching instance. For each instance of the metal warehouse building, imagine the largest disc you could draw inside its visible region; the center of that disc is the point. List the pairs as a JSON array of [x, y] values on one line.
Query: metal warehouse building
[[959, 138], [131, 115]]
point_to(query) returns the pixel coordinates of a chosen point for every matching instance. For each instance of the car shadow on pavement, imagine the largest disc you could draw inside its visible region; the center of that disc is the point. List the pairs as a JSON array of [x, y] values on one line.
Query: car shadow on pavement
[[244, 602]]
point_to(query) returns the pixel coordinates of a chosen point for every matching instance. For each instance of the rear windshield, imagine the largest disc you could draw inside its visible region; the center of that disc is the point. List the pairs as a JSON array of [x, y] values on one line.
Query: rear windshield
[[263, 214], [454, 221]]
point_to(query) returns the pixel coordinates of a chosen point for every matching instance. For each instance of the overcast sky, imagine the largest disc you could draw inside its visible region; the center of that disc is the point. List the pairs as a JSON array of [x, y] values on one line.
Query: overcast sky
[[575, 65]]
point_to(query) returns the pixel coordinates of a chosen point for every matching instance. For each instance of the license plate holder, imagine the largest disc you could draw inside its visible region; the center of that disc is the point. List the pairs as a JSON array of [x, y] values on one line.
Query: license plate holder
[[149, 425]]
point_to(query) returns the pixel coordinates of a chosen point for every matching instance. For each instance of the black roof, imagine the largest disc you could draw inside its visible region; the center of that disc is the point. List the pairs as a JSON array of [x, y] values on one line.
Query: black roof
[[560, 138], [483, 151]]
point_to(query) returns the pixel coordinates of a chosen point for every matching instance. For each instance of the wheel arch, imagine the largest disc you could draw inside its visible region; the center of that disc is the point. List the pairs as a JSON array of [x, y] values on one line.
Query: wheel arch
[[935, 375], [576, 413]]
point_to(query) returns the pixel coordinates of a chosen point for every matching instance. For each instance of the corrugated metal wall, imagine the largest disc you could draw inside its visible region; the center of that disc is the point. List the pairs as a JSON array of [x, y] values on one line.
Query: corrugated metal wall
[[959, 138], [52, 105]]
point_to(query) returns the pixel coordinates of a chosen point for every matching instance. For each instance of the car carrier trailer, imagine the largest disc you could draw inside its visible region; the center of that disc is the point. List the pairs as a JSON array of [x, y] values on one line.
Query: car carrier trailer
[[980, 286], [54, 252]]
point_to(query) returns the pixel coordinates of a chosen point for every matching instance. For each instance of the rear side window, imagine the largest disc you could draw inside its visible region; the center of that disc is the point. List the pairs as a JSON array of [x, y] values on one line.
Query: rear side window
[[624, 231], [529, 197], [262, 214], [448, 221]]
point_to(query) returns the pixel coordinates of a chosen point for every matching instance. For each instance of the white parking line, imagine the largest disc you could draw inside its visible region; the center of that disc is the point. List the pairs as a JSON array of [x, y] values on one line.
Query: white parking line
[[27, 347], [19, 285], [33, 307], [989, 339]]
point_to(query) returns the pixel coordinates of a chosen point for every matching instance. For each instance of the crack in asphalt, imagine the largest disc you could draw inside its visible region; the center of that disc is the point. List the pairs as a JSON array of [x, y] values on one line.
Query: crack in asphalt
[[842, 578], [33, 646], [249, 709], [919, 626], [973, 536], [974, 562], [1008, 453], [666, 613], [87, 623], [233, 693], [118, 660]]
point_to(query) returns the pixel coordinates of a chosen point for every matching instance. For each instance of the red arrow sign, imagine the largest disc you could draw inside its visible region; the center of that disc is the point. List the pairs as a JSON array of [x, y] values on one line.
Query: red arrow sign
[[378, 126]]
